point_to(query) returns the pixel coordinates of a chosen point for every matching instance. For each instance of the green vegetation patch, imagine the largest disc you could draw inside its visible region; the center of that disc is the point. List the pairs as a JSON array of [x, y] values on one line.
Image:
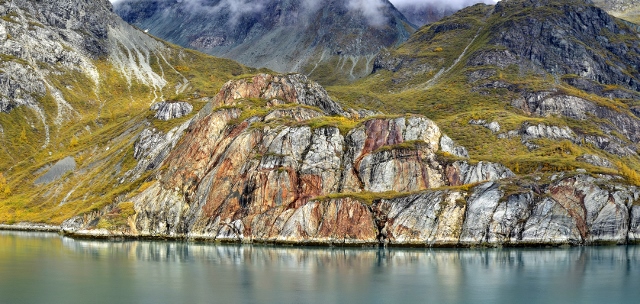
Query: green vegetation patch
[[118, 217], [367, 198], [344, 124]]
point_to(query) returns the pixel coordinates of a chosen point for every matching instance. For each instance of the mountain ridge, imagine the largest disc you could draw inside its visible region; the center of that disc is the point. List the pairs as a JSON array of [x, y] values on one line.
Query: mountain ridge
[[285, 36]]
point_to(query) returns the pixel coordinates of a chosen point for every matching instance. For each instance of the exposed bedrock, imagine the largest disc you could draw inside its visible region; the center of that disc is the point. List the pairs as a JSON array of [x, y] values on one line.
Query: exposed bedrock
[[396, 181]]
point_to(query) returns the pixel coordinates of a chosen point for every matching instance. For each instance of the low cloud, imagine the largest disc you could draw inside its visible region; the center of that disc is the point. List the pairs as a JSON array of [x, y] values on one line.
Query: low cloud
[[451, 4], [372, 10], [234, 8]]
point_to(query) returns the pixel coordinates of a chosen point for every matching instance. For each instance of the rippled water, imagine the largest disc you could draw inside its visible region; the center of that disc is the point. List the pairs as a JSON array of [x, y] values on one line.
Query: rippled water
[[48, 268]]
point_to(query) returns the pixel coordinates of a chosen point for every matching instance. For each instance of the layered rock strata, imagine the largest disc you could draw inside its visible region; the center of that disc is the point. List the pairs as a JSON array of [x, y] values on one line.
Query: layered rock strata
[[289, 177]]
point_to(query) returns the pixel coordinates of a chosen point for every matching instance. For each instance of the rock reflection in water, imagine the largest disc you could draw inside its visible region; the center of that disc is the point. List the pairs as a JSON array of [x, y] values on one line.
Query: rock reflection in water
[[153, 272]]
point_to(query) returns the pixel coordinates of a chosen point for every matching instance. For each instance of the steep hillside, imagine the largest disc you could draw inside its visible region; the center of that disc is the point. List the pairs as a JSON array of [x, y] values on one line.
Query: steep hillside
[[329, 40], [76, 86], [549, 81], [626, 9]]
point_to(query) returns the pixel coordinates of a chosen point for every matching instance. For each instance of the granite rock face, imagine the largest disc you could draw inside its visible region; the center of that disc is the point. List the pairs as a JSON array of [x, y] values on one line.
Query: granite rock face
[[447, 145], [529, 132], [256, 181], [151, 148]]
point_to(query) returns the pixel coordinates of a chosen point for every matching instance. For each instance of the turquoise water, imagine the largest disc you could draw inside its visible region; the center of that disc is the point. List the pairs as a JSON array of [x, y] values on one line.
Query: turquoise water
[[48, 268]]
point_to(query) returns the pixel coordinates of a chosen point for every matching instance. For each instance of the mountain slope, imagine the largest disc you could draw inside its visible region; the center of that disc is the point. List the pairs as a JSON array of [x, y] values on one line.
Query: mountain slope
[[330, 40], [625, 9], [77, 83], [550, 64]]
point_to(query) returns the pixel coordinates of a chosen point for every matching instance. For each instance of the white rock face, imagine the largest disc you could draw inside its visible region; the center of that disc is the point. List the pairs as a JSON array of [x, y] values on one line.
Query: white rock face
[[480, 211], [551, 103], [423, 219], [529, 132], [447, 145], [152, 147], [323, 158], [171, 110], [494, 126], [634, 229]]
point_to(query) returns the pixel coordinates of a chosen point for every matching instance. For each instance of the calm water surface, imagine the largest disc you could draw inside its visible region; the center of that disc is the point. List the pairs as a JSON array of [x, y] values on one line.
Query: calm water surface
[[48, 268]]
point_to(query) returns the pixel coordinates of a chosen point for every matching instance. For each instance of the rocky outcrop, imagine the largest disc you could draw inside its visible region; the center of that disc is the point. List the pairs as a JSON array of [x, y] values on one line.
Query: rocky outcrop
[[278, 89], [572, 210], [447, 145], [298, 114], [152, 148], [257, 181], [171, 110], [595, 160], [463, 173], [530, 132], [426, 219], [550, 103], [494, 126]]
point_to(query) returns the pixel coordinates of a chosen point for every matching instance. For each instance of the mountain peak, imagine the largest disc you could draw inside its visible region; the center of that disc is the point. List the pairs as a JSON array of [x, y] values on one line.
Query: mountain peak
[[286, 36]]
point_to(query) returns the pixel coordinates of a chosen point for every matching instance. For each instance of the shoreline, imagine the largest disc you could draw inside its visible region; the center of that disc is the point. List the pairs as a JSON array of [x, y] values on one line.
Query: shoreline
[[30, 227], [105, 235]]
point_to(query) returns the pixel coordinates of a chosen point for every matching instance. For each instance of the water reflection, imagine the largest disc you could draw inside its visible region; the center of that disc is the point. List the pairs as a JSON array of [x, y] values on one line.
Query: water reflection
[[73, 270]]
